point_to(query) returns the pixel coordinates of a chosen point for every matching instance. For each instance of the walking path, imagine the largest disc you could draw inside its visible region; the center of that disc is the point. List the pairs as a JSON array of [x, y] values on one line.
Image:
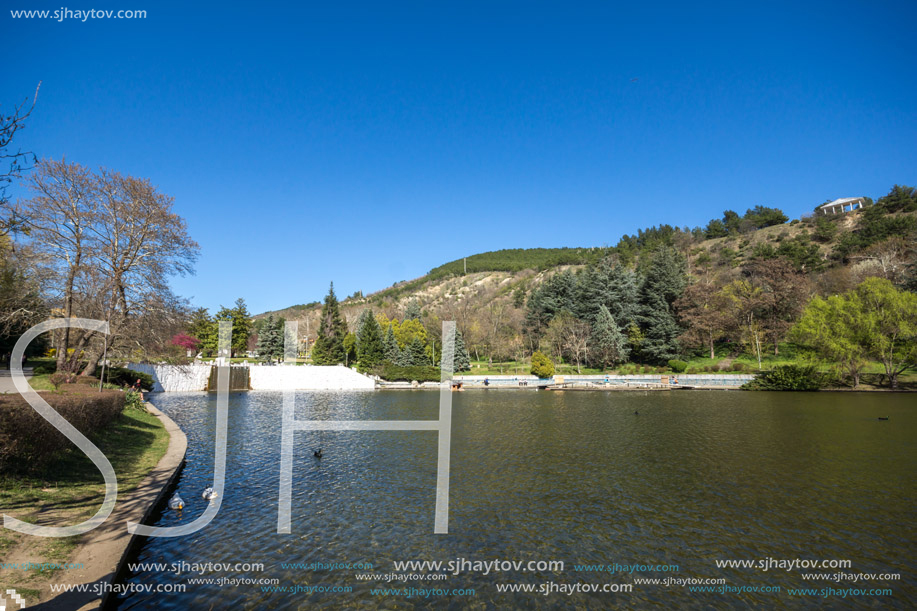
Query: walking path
[[6, 379], [104, 550]]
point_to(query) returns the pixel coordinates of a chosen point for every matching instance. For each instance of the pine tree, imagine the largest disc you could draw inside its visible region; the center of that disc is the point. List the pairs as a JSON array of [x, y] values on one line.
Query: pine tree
[[556, 294], [390, 350], [664, 283], [607, 344], [460, 361], [417, 352], [361, 320], [370, 350], [270, 340], [413, 311], [329, 346], [614, 286]]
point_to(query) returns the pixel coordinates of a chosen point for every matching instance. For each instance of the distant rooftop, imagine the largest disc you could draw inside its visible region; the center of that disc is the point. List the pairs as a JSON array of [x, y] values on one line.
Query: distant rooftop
[[841, 202]]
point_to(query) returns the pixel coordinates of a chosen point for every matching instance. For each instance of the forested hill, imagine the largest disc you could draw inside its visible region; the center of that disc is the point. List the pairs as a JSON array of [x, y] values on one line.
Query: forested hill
[[815, 239], [498, 301], [516, 260]]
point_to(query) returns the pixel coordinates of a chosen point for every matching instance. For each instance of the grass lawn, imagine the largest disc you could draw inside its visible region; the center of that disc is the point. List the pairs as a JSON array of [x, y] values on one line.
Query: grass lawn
[[725, 356], [69, 491]]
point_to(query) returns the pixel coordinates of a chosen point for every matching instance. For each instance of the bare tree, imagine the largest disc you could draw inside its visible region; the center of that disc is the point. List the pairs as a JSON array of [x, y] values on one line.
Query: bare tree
[[887, 259], [114, 241], [58, 217], [569, 337], [16, 162]]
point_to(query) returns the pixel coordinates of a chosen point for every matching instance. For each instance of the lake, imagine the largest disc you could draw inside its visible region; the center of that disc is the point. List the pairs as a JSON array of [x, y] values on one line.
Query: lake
[[693, 478]]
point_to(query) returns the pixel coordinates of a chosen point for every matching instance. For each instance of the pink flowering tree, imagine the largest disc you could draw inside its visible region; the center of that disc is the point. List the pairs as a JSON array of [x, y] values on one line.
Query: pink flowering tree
[[188, 342]]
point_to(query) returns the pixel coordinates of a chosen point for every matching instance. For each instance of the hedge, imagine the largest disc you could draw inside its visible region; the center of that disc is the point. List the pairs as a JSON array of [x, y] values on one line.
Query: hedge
[[28, 441], [787, 377], [397, 373]]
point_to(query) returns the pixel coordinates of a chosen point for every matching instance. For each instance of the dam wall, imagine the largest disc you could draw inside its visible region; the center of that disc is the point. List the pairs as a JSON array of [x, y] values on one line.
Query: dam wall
[[187, 378]]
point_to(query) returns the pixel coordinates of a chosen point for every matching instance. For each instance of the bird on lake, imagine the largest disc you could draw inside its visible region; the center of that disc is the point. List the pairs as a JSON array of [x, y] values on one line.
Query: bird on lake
[[883, 417], [636, 413], [176, 503], [209, 494], [317, 453]]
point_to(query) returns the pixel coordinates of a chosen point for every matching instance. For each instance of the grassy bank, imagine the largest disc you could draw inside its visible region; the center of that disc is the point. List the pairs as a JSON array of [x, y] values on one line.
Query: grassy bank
[[68, 491]]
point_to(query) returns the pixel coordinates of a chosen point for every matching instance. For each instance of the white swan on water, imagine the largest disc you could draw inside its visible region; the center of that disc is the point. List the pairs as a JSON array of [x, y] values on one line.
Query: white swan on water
[[209, 494]]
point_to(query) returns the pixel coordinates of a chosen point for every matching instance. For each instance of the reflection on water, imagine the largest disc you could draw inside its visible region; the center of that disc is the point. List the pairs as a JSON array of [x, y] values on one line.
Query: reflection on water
[[572, 476]]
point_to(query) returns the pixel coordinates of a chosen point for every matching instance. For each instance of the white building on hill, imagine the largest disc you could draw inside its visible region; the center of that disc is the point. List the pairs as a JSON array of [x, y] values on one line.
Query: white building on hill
[[845, 204]]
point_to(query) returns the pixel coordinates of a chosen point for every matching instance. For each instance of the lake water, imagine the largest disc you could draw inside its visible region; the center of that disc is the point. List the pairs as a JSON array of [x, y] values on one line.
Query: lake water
[[695, 477]]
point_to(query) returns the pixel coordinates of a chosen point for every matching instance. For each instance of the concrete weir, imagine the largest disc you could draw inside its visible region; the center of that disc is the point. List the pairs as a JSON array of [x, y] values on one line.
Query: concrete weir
[[188, 378]]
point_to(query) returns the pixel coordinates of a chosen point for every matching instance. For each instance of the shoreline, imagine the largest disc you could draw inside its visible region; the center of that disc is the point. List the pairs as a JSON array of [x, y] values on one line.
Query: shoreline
[[104, 550]]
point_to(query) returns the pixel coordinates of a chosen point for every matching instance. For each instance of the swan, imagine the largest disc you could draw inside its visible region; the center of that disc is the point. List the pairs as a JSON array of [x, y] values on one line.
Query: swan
[[176, 502], [209, 494]]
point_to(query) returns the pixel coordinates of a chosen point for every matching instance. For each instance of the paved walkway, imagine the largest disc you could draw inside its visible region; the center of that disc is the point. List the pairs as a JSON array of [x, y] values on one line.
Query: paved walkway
[[6, 379], [104, 549]]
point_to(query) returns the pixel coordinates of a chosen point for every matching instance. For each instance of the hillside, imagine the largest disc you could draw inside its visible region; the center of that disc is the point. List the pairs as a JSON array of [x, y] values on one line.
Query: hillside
[[489, 301]]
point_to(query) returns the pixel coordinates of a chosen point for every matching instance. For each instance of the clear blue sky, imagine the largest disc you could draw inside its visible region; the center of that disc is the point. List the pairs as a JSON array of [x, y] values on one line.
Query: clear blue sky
[[366, 143]]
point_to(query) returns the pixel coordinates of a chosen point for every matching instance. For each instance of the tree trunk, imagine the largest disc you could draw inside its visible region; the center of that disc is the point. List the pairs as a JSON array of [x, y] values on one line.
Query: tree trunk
[[68, 312], [90, 369]]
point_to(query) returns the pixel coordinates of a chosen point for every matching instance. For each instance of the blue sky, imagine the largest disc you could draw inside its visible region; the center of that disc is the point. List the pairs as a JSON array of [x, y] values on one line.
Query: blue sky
[[366, 143]]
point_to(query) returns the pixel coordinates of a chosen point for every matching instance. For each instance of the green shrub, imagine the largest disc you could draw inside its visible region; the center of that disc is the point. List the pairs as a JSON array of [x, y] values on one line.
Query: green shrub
[[678, 366], [28, 441], [122, 376], [397, 373], [787, 377], [44, 368], [132, 400], [738, 366], [542, 366]]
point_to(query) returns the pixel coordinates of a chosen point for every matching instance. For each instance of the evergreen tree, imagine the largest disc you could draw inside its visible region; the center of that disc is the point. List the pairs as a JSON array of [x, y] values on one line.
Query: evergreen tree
[[270, 340], [370, 348], [413, 311], [623, 296], [329, 346], [390, 350], [361, 321], [350, 349], [241, 325], [460, 361], [556, 294], [664, 283], [417, 352], [202, 327], [610, 285], [607, 344]]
